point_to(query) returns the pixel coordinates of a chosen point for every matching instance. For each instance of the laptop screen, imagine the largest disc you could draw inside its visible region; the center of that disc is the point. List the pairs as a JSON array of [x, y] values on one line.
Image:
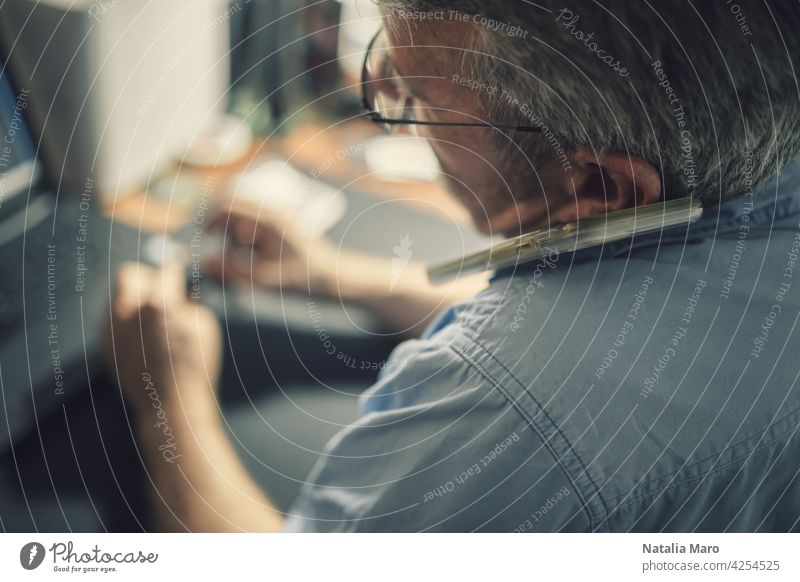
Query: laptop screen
[[19, 171]]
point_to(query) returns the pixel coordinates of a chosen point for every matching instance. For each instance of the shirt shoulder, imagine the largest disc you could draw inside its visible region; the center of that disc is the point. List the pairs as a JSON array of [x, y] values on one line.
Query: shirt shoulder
[[438, 448], [647, 371]]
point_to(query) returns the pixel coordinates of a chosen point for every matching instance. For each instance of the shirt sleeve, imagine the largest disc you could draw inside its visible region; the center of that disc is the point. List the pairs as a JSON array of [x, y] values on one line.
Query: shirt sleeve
[[438, 448]]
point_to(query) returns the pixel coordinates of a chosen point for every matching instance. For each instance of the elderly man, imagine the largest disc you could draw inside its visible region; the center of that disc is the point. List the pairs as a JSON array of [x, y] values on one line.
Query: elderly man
[[644, 384]]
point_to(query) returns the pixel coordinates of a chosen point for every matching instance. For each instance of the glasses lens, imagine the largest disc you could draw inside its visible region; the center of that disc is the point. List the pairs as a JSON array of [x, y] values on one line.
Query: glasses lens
[[382, 90]]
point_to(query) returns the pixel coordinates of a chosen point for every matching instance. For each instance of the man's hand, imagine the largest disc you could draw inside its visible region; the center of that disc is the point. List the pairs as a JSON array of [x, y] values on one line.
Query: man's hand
[[158, 337], [271, 254], [166, 353], [261, 251]]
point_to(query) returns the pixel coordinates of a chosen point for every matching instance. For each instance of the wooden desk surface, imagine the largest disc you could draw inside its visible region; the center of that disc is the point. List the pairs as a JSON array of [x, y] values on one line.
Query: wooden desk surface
[[313, 148]]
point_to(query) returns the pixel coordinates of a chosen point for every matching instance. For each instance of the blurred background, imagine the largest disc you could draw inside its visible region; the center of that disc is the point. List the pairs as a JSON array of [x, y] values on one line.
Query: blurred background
[[128, 124]]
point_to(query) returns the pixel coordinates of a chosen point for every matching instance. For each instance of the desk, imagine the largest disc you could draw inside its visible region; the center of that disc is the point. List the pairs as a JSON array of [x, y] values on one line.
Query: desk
[[307, 148], [421, 212]]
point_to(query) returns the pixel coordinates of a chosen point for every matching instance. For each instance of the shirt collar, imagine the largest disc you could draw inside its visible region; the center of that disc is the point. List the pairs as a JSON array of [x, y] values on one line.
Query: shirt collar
[[776, 200]]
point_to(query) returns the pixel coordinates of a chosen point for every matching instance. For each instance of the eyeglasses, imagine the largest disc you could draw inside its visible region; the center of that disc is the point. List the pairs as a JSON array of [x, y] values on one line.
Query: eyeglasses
[[388, 100]]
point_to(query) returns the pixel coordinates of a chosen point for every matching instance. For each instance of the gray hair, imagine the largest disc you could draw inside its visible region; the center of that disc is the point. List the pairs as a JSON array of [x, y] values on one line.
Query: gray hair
[[704, 90]]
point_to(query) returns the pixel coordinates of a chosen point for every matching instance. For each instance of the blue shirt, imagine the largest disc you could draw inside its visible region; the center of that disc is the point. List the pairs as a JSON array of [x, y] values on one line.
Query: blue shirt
[[648, 385]]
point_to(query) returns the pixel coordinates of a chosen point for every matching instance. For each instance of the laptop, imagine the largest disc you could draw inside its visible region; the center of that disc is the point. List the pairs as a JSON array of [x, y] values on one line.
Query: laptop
[[57, 259]]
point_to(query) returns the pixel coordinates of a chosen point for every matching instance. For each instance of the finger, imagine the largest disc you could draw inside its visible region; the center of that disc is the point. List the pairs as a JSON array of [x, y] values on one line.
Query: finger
[[222, 268], [171, 287], [235, 210], [238, 263], [221, 219], [228, 270], [245, 231], [132, 288]]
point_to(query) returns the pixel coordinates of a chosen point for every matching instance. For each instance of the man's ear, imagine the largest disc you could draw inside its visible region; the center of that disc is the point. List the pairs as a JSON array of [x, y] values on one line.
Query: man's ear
[[603, 182]]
